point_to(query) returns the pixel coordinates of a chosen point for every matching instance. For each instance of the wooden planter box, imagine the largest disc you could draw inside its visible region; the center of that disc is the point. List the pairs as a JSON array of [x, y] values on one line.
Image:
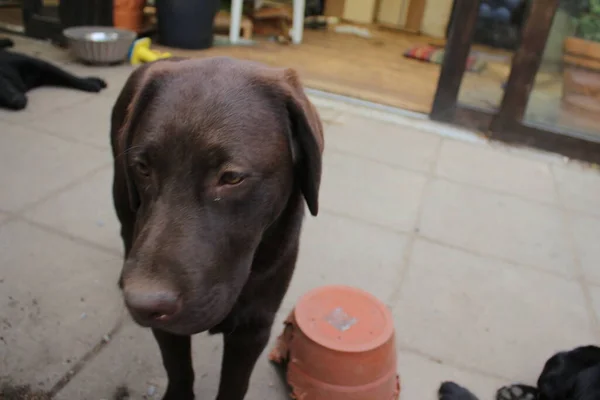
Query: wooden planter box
[[581, 84]]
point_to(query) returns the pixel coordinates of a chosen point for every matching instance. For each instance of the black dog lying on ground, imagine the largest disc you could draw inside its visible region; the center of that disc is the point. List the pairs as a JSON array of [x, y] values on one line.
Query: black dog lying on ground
[[568, 375], [19, 73]]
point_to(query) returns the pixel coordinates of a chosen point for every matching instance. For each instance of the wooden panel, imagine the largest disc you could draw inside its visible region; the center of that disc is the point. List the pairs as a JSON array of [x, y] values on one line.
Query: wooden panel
[[11, 17], [391, 12], [414, 17], [361, 11], [455, 61], [526, 63], [334, 8], [436, 16]]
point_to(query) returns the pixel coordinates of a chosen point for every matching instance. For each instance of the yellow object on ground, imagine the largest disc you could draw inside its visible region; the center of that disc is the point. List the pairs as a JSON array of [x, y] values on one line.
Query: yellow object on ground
[[142, 53]]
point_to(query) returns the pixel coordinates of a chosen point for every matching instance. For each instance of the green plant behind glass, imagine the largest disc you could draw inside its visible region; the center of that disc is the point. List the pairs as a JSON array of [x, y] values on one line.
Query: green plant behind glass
[[587, 17]]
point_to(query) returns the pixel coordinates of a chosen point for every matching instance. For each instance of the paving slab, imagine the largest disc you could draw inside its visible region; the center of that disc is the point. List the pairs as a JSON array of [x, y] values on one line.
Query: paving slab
[[132, 359], [595, 293], [487, 315], [586, 231], [340, 250], [58, 299], [498, 225], [371, 191], [579, 187], [88, 122], [421, 377], [85, 211], [328, 115], [115, 76], [45, 100], [35, 165], [383, 142], [3, 216], [487, 167]]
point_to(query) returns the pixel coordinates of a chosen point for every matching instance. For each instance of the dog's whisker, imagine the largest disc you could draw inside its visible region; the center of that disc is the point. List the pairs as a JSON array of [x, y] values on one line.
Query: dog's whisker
[[127, 151]]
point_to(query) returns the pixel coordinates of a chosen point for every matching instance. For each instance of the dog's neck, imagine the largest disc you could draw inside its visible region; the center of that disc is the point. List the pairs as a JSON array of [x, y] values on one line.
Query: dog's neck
[[281, 237]]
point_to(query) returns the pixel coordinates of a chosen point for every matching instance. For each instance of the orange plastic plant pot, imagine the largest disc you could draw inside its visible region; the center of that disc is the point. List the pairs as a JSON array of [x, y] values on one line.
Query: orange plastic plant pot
[[128, 14], [339, 343]]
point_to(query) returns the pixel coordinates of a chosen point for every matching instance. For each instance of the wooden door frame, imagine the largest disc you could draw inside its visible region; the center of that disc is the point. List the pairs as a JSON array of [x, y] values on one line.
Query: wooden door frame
[[507, 123], [39, 26], [70, 13]]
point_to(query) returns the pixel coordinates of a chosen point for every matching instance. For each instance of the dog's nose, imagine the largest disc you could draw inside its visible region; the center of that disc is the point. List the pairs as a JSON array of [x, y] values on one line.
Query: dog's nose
[[152, 305]]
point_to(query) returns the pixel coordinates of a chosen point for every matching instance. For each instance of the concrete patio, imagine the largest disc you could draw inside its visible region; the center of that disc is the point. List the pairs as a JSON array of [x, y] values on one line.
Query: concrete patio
[[488, 256]]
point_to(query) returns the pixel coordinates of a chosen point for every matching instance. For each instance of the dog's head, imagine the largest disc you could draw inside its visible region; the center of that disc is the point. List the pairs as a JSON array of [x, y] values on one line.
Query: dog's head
[[213, 151]]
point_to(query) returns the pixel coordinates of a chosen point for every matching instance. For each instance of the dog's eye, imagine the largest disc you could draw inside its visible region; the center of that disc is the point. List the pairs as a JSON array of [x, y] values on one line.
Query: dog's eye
[[231, 178], [142, 168]]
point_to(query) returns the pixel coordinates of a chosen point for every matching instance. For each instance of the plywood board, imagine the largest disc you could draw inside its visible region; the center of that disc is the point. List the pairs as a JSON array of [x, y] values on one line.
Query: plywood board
[[390, 12], [436, 17], [361, 11], [334, 8]]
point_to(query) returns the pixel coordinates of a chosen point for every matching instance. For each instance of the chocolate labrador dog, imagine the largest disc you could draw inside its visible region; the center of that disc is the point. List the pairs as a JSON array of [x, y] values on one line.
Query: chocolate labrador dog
[[567, 375], [213, 159]]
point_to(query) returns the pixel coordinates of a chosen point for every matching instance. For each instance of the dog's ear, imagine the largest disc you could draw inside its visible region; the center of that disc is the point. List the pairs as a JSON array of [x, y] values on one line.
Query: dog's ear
[[140, 89], [307, 138]]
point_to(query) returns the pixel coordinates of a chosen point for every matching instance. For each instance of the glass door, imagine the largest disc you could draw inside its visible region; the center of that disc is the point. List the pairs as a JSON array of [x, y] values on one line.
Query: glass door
[[496, 38], [526, 105], [566, 92]]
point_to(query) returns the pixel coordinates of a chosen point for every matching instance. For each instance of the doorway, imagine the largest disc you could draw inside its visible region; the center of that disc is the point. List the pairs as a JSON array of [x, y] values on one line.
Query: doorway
[[509, 116], [41, 19], [11, 16], [46, 19]]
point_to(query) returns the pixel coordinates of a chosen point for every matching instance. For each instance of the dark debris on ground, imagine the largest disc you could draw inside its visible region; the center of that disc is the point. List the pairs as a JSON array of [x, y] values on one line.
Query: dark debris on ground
[[25, 392]]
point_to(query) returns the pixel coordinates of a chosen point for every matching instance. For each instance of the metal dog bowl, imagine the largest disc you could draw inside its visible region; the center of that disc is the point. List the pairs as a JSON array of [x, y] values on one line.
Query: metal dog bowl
[[99, 44]]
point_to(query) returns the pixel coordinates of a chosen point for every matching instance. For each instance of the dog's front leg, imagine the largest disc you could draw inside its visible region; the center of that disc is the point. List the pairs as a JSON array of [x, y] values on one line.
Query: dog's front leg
[[242, 348], [176, 354]]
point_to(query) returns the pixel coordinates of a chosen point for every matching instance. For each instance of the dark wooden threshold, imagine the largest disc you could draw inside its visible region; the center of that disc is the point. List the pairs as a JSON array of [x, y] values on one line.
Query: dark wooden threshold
[[575, 145]]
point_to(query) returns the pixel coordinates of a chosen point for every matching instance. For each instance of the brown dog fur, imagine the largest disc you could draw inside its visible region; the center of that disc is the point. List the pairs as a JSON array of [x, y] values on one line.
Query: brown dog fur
[[212, 159]]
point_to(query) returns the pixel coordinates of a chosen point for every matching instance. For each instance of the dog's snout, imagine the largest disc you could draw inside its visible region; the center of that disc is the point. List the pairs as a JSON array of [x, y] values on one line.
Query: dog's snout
[[149, 305]]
